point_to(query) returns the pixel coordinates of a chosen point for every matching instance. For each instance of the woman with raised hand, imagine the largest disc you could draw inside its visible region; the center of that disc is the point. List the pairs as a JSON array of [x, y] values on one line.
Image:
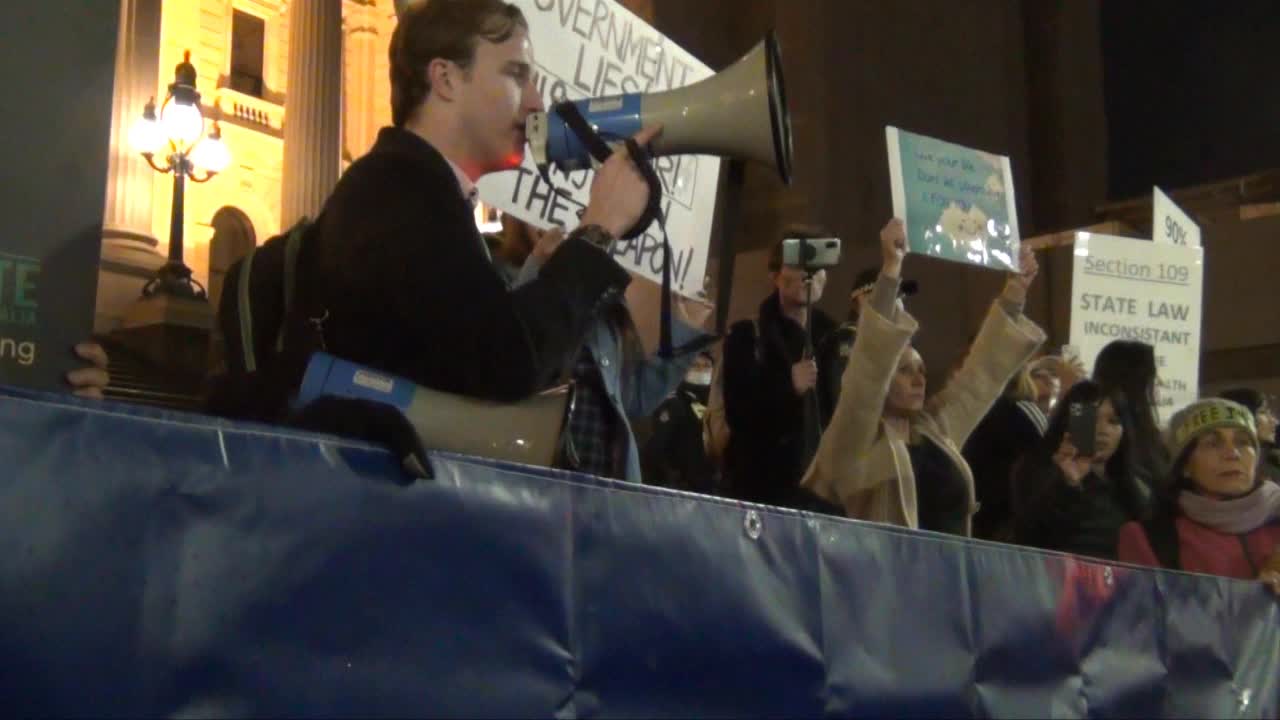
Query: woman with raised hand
[[888, 456]]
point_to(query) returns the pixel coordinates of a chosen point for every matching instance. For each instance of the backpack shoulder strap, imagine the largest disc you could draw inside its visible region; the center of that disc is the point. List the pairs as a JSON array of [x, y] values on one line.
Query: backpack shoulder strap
[[245, 311], [293, 244]]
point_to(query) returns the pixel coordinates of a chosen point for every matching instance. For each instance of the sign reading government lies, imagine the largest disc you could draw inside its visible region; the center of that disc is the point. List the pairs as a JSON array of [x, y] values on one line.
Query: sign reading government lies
[[1126, 289], [58, 68], [593, 48]]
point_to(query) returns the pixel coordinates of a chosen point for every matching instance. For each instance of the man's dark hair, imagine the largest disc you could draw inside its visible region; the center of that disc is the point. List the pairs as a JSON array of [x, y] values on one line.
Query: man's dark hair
[[801, 232], [445, 29], [1251, 398]]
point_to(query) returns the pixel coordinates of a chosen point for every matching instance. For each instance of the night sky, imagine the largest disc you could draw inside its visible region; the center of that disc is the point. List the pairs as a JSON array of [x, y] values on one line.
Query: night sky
[[1192, 91]]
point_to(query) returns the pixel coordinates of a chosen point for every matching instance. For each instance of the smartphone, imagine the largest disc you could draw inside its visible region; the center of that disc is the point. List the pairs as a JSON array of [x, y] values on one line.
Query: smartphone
[[1083, 427], [811, 253]]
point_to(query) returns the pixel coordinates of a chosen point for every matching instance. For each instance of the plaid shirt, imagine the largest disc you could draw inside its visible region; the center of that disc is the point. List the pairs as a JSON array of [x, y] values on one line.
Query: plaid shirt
[[593, 426]]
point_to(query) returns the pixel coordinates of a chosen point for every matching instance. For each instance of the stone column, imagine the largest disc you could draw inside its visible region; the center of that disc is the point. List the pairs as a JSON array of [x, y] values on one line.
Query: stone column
[[129, 251], [360, 98], [313, 108]]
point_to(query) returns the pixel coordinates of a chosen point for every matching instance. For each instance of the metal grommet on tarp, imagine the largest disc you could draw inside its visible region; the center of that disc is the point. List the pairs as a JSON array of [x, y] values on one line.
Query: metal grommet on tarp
[[1244, 697], [753, 524]]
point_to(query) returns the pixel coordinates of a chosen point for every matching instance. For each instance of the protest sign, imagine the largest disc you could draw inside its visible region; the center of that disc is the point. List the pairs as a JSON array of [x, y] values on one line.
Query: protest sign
[[957, 202], [55, 141], [1169, 224], [1127, 289], [593, 48]]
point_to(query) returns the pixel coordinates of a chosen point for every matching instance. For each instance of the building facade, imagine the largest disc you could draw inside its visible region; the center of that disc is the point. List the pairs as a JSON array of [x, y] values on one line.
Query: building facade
[[242, 51], [299, 89]]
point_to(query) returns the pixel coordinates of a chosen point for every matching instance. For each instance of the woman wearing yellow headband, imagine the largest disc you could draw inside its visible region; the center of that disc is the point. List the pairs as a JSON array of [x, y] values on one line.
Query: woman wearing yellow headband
[[1221, 518]]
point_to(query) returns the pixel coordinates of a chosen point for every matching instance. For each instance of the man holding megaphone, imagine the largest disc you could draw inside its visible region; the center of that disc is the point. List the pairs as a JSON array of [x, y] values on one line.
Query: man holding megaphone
[[397, 277]]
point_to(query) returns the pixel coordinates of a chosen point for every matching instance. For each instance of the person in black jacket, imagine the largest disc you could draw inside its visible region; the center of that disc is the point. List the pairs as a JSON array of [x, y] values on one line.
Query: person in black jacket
[[397, 276], [675, 456], [1012, 427], [774, 401], [1071, 503]]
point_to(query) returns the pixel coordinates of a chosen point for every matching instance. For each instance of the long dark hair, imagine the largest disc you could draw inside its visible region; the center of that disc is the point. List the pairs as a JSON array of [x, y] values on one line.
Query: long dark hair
[[1129, 367], [1037, 465], [1121, 462]]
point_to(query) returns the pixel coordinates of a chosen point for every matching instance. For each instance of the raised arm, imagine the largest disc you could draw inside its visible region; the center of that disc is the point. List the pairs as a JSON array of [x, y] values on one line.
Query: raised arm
[[1006, 341], [884, 331]]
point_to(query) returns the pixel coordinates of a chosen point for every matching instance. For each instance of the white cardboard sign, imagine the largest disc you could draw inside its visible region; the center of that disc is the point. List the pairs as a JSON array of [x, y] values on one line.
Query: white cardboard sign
[[1127, 289], [1169, 224]]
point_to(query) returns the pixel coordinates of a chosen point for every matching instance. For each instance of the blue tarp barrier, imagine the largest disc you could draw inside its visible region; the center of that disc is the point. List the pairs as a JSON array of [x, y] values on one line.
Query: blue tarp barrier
[[163, 564]]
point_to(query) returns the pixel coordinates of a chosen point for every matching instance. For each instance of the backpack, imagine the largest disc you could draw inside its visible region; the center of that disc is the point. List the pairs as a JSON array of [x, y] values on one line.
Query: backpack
[[257, 298], [253, 314]]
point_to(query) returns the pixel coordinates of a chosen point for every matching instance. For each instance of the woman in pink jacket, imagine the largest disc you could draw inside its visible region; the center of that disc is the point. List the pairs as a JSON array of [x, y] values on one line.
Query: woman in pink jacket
[[1223, 518], [887, 456]]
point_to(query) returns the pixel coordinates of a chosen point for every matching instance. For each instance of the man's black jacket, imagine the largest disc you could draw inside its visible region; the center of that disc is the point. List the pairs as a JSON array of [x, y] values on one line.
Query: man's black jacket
[[399, 279]]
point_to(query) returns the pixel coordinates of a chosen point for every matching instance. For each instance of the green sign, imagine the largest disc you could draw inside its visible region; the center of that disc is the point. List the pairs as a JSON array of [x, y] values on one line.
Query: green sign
[[55, 138], [957, 202]]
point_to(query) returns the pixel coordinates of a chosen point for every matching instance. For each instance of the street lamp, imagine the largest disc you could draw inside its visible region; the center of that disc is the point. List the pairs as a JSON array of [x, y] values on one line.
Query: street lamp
[[179, 135]]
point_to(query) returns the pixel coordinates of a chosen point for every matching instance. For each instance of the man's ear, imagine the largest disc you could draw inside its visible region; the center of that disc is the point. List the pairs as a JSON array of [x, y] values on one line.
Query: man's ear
[[443, 76]]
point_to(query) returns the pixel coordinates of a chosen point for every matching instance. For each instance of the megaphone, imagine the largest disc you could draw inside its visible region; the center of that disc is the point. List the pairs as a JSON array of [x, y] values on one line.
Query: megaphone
[[527, 432], [740, 112]]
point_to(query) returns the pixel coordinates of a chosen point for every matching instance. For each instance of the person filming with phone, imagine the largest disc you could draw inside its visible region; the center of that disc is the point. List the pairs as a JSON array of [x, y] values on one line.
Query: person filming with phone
[[1077, 487], [774, 405], [888, 456]]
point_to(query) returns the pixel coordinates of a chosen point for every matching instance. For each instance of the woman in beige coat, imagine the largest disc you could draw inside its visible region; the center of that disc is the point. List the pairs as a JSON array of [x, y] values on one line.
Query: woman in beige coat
[[886, 456]]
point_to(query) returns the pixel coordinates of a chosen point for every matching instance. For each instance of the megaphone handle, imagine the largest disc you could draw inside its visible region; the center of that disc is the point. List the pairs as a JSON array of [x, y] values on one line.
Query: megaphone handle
[[640, 158]]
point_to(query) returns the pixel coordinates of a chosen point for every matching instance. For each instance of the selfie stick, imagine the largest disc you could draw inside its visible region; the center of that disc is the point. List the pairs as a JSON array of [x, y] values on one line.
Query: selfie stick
[[808, 298]]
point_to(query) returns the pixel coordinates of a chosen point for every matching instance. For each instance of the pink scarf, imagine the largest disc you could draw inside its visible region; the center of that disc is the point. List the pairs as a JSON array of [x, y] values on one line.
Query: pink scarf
[[1236, 516]]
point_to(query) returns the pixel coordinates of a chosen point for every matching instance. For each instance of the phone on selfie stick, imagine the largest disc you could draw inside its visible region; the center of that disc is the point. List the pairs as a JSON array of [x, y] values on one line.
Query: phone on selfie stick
[[810, 255]]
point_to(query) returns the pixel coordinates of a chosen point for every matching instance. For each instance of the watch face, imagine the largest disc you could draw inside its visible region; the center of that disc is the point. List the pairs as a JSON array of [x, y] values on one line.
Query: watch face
[[597, 236]]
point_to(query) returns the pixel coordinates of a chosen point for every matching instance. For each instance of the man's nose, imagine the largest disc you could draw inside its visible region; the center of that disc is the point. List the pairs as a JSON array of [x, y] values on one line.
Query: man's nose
[[533, 99]]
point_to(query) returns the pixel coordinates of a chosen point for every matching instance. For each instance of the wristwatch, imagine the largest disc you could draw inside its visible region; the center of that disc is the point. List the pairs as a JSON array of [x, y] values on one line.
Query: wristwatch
[[598, 236]]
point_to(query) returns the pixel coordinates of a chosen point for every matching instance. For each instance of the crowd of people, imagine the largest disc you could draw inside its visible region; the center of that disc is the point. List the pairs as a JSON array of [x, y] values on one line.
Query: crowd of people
[[800, 411], [991, 454]]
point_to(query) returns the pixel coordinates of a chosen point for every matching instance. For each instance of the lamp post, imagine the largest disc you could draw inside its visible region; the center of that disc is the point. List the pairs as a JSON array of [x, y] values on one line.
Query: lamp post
[[188, 153]]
